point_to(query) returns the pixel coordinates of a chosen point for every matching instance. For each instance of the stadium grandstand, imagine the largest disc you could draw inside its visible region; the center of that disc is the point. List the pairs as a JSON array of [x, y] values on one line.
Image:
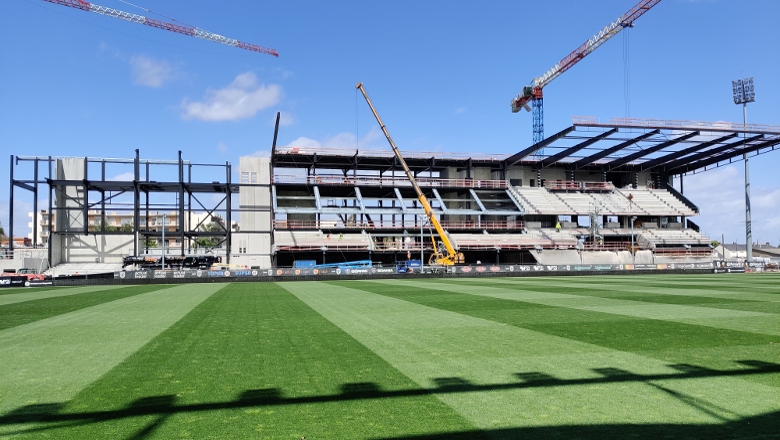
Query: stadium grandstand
[[593, 193]]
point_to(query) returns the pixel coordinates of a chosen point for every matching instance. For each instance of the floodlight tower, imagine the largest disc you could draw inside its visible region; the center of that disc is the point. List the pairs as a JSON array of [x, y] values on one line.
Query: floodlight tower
[[744, 93]]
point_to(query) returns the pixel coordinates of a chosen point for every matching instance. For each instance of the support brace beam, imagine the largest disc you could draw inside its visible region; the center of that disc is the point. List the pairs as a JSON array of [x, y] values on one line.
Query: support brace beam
[[604, 153], [512, 160], [626, 159], [476, 198], [441, 202], [569, 151]]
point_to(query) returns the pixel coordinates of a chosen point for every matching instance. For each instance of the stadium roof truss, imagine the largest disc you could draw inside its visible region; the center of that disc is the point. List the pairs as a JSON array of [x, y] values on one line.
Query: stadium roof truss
[[621, 145]]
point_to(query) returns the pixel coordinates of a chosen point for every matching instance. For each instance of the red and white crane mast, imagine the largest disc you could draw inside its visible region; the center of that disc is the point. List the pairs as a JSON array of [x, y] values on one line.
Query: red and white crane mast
[[533, 92]]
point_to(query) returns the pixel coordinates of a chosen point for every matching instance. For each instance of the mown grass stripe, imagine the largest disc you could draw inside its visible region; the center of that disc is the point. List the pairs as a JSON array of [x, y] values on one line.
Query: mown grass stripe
[[620, 331], [52, 359], [690, 341], [629, 284], [446, 350], [517, 290], [12, 315], [32, 294], [15, 290], [253, 361]]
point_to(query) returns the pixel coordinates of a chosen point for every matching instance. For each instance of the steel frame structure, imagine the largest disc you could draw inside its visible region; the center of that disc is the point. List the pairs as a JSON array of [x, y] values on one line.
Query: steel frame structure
[[619, 146], [184, 190]]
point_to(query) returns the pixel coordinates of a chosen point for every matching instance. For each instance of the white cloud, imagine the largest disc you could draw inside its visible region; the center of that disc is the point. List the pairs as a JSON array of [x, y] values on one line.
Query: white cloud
[[222, 147], [460, 110], [241, 99], [261, 153], [341, 141], [720, 195], [285, 119], [124, 177], [148, 71]]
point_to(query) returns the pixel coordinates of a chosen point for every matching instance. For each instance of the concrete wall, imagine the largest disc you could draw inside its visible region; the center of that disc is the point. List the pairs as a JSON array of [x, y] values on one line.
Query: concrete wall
[[81, 248], [600, 257], [252, 245], [553, 174], [549, 256]]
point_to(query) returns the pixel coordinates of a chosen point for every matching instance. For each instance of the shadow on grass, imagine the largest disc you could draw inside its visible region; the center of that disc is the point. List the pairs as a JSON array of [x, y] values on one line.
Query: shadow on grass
[[764, 426], [52, 415]]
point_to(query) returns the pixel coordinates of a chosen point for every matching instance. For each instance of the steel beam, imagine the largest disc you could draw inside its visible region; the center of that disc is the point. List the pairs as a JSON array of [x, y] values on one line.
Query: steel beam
[[704, 154], [441, 202], [516, 202], [672, 156], [476, 199], [604, 153], [359, 198], [724, 156], [400, 199], [569, 151], [512, 160], [633, 156]]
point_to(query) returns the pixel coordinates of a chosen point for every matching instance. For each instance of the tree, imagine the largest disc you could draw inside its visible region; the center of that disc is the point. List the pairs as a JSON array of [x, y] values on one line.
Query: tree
[[97, 227], [2, 231], [216, 225], [715, 243]]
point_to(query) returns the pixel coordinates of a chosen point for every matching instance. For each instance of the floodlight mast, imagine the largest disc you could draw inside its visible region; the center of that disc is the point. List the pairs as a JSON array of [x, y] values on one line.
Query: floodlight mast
[[743, 93]]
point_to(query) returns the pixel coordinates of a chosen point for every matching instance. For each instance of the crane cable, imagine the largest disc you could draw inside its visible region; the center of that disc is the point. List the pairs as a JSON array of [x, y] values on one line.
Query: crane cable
[[627, 71]]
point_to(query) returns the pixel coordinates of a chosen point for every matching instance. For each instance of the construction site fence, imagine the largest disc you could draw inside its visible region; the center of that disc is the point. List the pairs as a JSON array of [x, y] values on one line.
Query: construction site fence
[[396, 181]]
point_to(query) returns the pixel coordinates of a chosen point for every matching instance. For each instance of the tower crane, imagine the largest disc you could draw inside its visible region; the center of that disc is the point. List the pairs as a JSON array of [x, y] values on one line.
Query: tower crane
[[185, 30], [438, 258], [533, 92]]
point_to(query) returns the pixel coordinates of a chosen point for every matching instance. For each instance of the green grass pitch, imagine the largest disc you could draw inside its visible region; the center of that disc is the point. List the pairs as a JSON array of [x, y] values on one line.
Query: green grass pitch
[[695, 356]]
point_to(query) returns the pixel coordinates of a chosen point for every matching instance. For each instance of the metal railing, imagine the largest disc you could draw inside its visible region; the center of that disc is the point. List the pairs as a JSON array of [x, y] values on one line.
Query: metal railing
[[430, 182], [673, 124], [578, 186], [389, 153], [397, 225]]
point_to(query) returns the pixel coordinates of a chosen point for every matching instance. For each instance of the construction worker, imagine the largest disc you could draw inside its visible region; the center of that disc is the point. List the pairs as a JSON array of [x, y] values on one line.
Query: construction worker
[[558, 226]]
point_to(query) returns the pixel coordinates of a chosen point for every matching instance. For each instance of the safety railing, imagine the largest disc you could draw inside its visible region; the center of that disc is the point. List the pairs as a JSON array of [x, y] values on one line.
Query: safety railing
[[323, 245], [674, 124], [609, 246], [397, 225], [389, 153], [401, 246], [428, 182], [577, 186], [525, 245]]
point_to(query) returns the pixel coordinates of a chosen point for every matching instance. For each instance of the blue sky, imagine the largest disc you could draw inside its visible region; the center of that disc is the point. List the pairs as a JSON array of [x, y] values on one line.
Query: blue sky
[[440, 73]]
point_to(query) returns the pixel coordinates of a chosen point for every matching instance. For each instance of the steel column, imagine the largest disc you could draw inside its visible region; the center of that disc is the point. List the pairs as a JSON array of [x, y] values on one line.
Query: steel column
[[748, 225]]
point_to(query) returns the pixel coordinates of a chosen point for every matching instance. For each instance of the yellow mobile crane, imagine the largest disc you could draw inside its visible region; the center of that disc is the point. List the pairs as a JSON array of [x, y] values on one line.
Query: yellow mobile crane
[[437, 258]]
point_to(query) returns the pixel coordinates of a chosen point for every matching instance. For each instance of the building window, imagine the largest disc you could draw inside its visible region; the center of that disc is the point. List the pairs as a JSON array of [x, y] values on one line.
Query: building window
[[244, 177], [254, 177], [516, 182]]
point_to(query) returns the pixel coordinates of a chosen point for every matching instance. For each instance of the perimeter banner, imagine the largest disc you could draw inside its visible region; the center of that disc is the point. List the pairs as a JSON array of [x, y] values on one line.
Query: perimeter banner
[[369, 271]]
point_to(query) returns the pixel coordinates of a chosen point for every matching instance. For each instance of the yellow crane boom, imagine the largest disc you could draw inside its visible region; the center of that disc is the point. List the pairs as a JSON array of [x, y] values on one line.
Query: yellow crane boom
[[452, 256]]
